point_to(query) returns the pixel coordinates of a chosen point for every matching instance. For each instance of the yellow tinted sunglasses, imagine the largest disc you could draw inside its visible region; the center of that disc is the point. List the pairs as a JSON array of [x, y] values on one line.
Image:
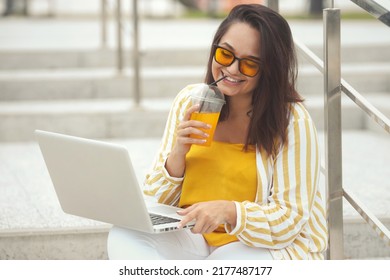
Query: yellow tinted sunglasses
[[247, 67]]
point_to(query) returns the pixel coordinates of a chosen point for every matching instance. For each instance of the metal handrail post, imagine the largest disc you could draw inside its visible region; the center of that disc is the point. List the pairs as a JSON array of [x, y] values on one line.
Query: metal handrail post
[[136, 58], [333, 132], [103, 23], [273, 4], [119, 36], [26, 7], [51, 11]]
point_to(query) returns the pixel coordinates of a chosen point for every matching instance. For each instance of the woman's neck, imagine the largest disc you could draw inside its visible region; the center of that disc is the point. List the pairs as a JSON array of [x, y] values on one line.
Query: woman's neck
[[239, 106], [234, 129]]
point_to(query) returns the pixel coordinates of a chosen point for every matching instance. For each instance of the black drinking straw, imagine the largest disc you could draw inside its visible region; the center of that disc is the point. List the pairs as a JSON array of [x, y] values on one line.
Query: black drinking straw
[[214, 83]]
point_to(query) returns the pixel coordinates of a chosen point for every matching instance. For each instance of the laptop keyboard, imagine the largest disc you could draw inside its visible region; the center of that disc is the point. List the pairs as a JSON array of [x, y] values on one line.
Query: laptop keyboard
[[158, 219]]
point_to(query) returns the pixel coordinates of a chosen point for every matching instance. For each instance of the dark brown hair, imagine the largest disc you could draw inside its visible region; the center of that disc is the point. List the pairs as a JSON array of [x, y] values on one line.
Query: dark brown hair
[[275, 90]]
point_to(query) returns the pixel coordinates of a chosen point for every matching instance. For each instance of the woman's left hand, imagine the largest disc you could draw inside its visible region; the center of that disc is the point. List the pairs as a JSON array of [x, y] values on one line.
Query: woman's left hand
[[209, 215]]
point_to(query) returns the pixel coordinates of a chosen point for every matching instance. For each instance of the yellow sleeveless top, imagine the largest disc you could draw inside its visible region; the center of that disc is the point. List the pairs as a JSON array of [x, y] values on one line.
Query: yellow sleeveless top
[[222, 171]]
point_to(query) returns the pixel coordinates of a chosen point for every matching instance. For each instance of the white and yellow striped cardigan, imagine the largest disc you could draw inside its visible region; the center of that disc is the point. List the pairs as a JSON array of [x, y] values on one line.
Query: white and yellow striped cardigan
[[288, 214]]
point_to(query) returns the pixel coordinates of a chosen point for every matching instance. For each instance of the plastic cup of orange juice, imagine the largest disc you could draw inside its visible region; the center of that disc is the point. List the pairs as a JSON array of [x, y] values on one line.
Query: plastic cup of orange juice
[[210, 100]]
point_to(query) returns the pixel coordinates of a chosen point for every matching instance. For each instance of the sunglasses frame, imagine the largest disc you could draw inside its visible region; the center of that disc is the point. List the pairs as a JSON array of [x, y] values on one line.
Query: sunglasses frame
[[236, 58]]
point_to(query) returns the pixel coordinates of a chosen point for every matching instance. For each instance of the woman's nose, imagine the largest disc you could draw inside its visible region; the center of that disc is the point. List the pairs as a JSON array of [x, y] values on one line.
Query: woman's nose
[[234, 67]]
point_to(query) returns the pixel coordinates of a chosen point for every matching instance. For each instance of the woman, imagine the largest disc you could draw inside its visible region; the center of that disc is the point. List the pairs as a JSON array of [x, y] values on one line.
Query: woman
[[254, 192]]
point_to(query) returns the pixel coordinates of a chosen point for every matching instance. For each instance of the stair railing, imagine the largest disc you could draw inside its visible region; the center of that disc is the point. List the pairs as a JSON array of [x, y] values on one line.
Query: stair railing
[[333, 86], [375, 9], [119, 43]]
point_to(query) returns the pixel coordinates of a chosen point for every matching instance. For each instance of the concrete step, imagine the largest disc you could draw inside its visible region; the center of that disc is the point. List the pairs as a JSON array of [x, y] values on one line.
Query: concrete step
[[353, 117], [160, 81], [112, 118], [33, 225], [355, 53], [86, 243], [361, 242], [364, 77], [94, 83], [86, 118], [23, 59], [98, 57]]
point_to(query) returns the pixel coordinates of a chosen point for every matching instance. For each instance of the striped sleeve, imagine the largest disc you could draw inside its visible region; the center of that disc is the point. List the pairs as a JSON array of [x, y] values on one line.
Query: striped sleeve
[[158, 183], [277, 223]]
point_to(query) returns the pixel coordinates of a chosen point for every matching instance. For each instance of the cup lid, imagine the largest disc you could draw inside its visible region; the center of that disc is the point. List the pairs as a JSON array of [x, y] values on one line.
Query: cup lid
[[208, 92]]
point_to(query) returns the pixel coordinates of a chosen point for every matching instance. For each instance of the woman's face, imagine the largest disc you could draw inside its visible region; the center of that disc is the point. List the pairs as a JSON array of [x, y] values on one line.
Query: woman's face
[[243, 41]]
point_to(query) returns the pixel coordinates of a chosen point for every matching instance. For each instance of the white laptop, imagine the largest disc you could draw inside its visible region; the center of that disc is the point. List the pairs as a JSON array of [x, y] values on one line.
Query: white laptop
[[96, 180]]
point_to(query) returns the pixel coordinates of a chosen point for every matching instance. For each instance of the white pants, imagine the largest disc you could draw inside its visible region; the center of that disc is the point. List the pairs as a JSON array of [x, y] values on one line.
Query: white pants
[[125, 244]]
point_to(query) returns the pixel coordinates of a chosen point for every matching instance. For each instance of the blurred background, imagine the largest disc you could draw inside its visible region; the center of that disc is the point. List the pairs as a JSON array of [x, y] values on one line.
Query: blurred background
[[161, 8], [109, 69]]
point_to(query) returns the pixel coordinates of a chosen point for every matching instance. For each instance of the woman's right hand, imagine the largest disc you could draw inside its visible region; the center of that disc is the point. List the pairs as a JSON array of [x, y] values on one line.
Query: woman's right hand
[[188, 127], [175, 163]]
